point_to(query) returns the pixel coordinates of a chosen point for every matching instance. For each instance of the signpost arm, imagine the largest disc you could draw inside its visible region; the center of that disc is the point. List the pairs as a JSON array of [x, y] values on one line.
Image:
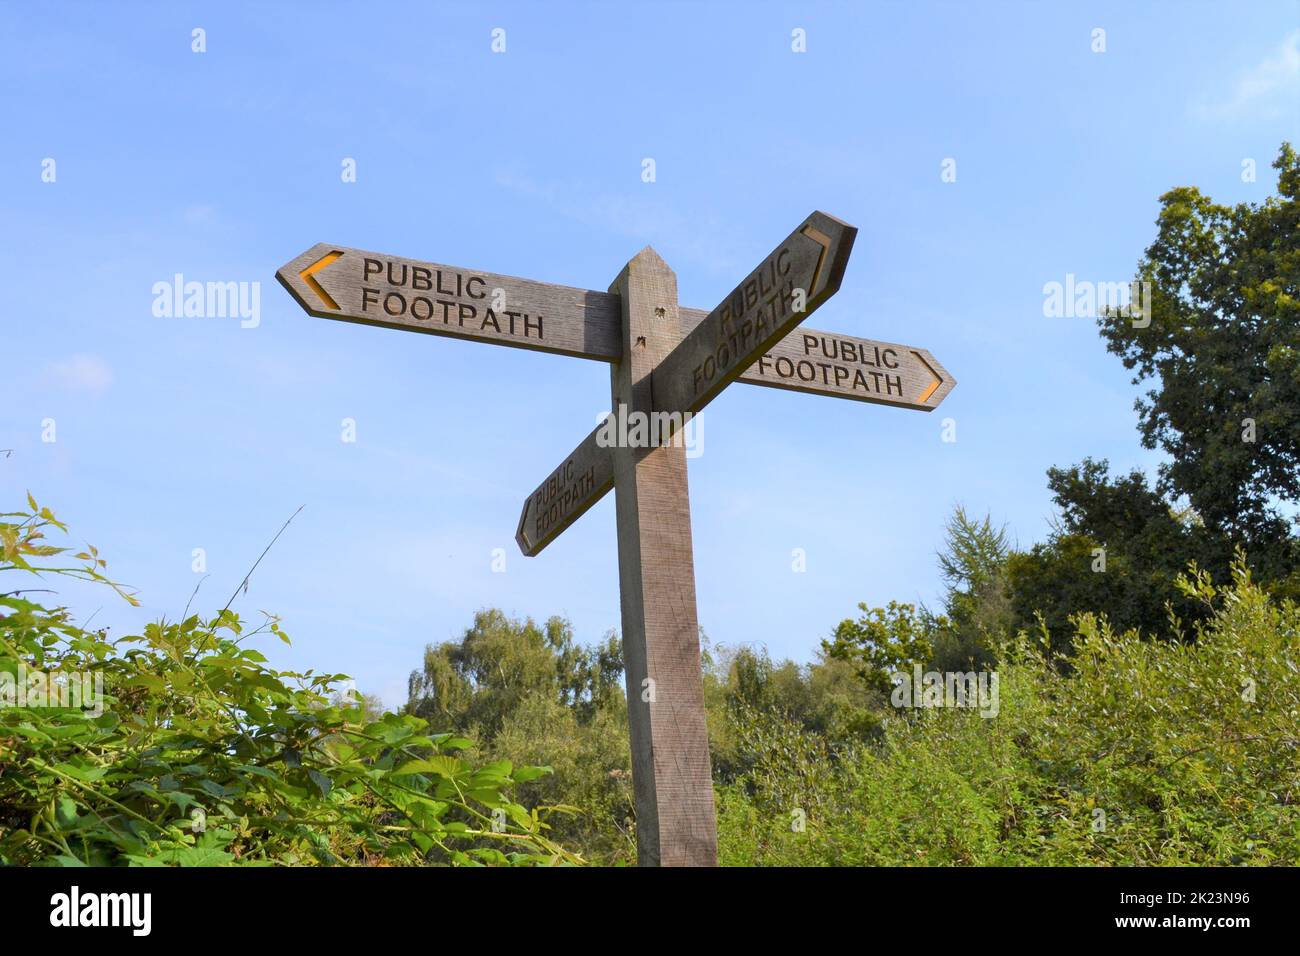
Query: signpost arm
[[661, 650]]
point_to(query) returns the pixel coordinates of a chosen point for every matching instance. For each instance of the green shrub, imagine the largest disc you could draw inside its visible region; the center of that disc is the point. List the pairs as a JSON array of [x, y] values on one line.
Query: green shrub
[[1128, 752], [592, 764], [527, 693], [202, 755]]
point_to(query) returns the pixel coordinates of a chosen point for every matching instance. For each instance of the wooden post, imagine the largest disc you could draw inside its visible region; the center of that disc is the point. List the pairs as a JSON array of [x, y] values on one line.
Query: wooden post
[[671, 775], [660, 369]]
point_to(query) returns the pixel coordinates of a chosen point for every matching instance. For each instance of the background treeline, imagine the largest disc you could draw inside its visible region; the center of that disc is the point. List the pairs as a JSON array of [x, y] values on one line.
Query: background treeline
[[1148, 651]]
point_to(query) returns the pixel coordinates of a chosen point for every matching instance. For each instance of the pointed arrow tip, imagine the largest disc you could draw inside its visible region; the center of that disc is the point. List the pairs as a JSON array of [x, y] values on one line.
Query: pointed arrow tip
[[301, 275], [521, 538], [648, 254]]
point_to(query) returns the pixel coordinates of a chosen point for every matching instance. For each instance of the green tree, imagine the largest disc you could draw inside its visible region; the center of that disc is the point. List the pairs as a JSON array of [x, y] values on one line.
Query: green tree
[[977, 607], [882, 642], [1223, 346], [1220, 346], [1117, 549], [477, 682], [825, 700], [523, 691]]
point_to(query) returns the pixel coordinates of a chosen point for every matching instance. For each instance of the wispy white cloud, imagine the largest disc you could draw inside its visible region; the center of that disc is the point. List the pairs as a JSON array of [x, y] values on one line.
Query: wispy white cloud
[[80, 373], [1267, 90]]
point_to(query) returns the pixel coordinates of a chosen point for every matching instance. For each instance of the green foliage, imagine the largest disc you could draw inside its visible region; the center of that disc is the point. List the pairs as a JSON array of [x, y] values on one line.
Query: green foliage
[[750, 699], [1185, 748], [1105, 747], [592, 773], [200, 754], [1146, 545], [882, 642], [1139, 753], [1224, 346], [977, 607], [531, 694], [478, 681], [571, 713], [973, 554]]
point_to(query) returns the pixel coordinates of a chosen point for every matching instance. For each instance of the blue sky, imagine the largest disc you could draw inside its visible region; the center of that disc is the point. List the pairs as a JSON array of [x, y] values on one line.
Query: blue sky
[[174, 434]]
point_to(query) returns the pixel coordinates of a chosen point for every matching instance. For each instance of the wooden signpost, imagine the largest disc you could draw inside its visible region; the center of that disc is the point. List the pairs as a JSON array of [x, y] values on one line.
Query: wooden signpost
[[667, 363]]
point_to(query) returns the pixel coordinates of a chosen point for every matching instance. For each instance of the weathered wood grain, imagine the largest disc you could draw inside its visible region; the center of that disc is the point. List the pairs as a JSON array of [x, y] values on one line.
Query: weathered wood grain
[[331, 282], [759, 312], [582, 479], [671, 776], [664, 359], [806, 360], [335, 282], [846, 366]]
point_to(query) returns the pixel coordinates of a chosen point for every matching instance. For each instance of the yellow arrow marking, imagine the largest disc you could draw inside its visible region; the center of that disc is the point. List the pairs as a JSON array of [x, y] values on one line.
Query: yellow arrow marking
[[933, 385], [824, 241], [308, 276]]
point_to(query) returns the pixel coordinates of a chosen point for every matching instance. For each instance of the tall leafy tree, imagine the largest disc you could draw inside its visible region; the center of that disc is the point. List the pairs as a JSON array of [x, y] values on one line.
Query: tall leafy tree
[[973, 565], [1222, 351], [1219, 348], [479, 681]]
